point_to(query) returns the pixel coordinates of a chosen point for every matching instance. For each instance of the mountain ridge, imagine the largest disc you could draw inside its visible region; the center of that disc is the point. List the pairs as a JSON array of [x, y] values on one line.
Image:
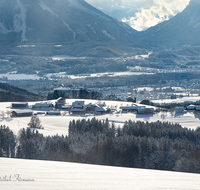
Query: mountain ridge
[[182, 29], [58, 21]]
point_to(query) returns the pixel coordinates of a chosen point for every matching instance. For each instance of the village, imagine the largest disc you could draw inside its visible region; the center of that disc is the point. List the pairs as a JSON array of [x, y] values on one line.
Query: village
[[63, 106]]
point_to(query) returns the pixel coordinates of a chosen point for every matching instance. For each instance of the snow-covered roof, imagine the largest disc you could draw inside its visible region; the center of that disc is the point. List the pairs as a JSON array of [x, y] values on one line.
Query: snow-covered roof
[[19, 103], [61, 99], [77, 106], [20, 111], [145, 109], [46, 104], [190, 107], [78, 103], [66, 106], [133, 107], [179, 108], [77, 110], [91, 105], [100, 105], [99, 109]]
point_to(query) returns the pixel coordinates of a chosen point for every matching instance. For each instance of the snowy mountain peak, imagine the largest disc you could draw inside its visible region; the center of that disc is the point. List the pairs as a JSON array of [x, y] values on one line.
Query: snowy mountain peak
[[39, 21], [183, 29]]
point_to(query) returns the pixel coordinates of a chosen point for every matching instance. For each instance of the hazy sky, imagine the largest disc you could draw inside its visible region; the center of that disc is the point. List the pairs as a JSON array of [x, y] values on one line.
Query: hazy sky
[[146, 13]]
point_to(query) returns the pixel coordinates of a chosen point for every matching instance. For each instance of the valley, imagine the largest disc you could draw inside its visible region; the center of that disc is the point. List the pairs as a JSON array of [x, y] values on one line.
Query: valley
[[99, 93]]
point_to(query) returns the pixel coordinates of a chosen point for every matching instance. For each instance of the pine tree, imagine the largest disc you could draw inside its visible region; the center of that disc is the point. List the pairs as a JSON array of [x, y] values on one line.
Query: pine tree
[[1, 152], [19, 153]]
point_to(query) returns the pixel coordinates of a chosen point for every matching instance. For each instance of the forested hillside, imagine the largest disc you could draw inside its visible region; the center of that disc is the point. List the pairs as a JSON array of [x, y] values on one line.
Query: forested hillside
[[162, 146], [10, 93]]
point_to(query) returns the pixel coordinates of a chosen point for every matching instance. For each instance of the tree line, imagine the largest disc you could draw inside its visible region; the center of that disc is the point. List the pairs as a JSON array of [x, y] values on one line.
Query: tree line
[[79, 94], [157, 145], [10, 93]]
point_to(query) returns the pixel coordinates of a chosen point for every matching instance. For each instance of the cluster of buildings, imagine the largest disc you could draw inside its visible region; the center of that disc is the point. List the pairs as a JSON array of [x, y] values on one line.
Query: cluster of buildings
[[76, 108], [48, 108], [138, 109], [188, 108]]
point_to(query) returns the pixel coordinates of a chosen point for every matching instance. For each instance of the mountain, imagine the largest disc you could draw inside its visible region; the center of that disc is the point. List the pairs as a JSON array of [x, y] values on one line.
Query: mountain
[[56, 21], [183, 29]]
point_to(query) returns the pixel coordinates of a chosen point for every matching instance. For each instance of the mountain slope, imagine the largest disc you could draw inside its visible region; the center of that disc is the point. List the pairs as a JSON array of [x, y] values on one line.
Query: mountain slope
[[52, 21], [10, 93], [183, 29]]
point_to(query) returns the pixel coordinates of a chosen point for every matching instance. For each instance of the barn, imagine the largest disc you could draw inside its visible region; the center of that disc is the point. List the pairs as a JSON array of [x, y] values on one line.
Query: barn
[[22, 113], [19, 105]]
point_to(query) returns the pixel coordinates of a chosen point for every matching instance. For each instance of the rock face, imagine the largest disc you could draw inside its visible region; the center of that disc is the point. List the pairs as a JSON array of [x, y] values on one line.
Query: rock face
[[183, 29], [49, 21]]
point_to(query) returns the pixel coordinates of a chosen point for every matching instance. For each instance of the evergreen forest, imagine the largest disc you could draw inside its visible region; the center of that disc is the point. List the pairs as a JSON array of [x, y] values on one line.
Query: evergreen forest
[[157, 145]]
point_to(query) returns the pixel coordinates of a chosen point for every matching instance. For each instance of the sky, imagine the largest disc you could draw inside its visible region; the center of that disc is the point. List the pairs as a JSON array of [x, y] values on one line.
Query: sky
[[140, 14]]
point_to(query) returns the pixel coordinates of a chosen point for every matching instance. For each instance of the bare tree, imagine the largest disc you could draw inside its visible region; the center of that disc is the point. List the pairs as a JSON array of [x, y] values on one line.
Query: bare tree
[[35, 122], [8, 113]]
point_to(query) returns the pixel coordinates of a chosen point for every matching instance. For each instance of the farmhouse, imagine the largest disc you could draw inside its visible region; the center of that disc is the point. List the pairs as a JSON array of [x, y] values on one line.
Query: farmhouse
[[44, 105], [100, 110], [19, 105], [53, 113], [40, 113], [145, 110], [190, 107], [197, 108], [78, 111], [60, 102], [132, 108], [78, 104], [179, 109], [66, 107], [22, 113], [91, 107]]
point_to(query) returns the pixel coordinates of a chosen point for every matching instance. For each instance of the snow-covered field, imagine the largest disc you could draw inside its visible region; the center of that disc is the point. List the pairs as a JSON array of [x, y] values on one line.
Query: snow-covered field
[[21, 174], [178, 100], [11, 76], [111, 74], [48, 175], [59, 124]]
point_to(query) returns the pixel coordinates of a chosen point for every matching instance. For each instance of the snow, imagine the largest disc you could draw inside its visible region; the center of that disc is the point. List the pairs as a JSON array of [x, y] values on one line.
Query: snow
[[24, 46], [178, 100], [11, 76], [63, 57], [46, 8], [111, 74], [20, 20], [149, 89], [143, 56], [53, 175], [108, 35], [3, 29], [59, 124], [92, 28]]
